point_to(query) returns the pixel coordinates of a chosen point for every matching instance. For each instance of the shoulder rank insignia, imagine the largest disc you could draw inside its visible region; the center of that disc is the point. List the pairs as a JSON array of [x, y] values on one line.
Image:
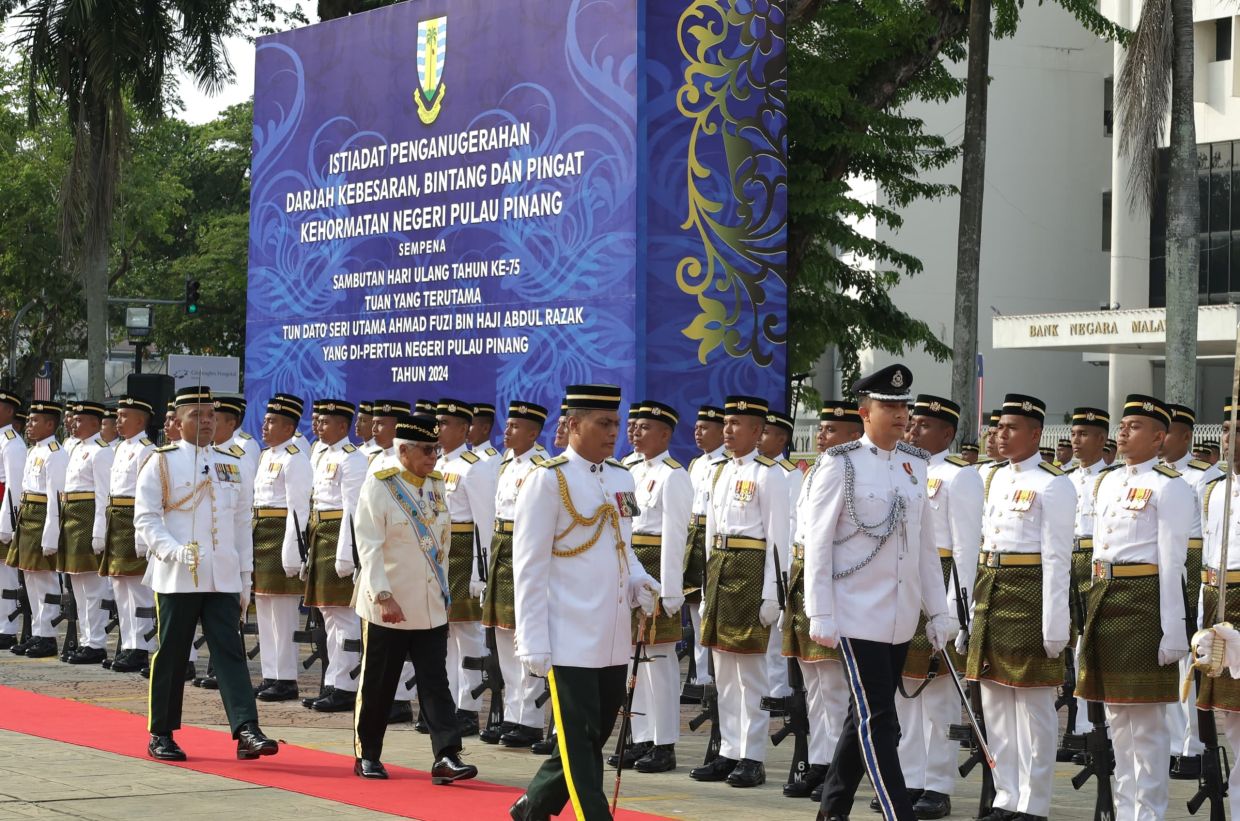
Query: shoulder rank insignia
[[1110, 468], [844, 448], [231, 450], [469, 456], [100, 442], [538, 446], [1050, 468], [672, 463], [435, 476], [538, 459], [53, 447], [349, 448], [905, 447], [722, 460], [1197, 464], [491, 451], [788, 465], [386, 473], [291, 449], [236, 450], [763, 460], [617, 464], [555, 463], [957, 461], [245, 435], [165, 448], [1066, 471], [1167, 470], [144, 442], [9, 434]]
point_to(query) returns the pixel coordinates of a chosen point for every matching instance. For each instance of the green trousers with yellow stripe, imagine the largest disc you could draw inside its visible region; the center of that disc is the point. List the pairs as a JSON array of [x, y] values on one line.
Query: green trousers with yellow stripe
[[585, 702]]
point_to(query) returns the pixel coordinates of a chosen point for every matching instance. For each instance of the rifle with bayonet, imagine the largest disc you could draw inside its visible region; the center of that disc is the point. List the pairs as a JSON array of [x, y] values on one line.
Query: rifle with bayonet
[[974, 731], [315, 632], [710, 712], [19, 594], [793, 706], [1067, 696], [488, 665], [1099, 763]]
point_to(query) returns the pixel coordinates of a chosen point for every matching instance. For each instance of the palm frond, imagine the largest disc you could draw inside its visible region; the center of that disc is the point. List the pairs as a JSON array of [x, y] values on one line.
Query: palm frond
[[1143, 98]]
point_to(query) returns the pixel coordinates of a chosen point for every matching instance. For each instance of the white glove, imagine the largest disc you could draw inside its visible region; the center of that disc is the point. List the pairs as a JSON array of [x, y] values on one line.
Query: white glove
[[344, 569], [962, 643], [1170, 650], [822, 629], [642, 594], [938, 631], [247, 585], [49, 551], [476, 588], [1054, 648], [768, 613], [6, 537], [781, 621], [294, 572], [139, 548], [672, 605], [536, 664], [186, 555], [1203, 646], [96, 544], [702, 608]]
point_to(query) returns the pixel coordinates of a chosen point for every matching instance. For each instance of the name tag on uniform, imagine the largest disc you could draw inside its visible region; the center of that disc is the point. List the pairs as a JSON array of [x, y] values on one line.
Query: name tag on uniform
[[451, 480], [1138, 498], [1022, 500], [932, 487], [626, 503], [227, 473], [744, 490]]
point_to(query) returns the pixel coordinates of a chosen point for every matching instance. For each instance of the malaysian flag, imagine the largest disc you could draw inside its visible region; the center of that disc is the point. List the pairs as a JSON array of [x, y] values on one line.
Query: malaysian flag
[[43, 383]]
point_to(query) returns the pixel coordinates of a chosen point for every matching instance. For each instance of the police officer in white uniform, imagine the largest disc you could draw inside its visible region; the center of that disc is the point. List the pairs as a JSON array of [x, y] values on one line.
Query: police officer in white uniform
[[12, 463], [703, 469]]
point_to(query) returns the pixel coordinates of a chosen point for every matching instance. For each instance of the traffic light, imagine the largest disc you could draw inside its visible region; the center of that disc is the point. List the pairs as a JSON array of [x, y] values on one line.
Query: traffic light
[[191, 297]]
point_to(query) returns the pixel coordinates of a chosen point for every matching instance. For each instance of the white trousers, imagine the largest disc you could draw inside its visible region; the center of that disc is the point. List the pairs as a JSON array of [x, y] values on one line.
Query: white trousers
[[131, 594], [741, 684], [341, 624], [1182, 717], [1139, 735], [776, 666], [520, 690], [928, 757], [465, 640], [1229, 725], [1021, 726], [826, 699], [701, 655], [9, 580], [89, 591], [41, 583], [277, 621], [656, 697]]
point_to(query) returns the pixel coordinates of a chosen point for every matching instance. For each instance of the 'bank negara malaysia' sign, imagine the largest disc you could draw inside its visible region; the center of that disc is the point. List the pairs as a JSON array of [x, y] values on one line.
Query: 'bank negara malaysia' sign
[[492, 201]]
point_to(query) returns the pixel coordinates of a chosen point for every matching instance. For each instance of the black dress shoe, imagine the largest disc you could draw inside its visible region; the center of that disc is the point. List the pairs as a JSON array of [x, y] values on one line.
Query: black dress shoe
[[369, 769], [815, 775], [88, 655], [492, 735], [21, 647], [1186, 767], [748, 773], [131, 662], [660, 759], [401, 713], [933, 805], [997, 814], [163, 748], [546, 746], [822, 816], [913, 797], [631, 754], [337, 701], [282, 690], [309, 700], [7, 641], [207, 682], [519, 735], [251, 743], [521, 811], [263, 685], [41, 648], [468, 722], [420, 725], [717, 770], [816, 795], [450, 768]]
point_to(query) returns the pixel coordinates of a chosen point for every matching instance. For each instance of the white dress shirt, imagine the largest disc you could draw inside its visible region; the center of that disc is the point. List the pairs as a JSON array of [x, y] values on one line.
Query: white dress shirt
[[12, 465], [90, 471], [339, 470], [665, 496], [750, 498], [284, 480]]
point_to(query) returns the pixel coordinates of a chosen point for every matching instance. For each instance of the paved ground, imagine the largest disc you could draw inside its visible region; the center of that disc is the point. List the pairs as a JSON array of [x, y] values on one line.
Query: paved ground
[[41, 778]]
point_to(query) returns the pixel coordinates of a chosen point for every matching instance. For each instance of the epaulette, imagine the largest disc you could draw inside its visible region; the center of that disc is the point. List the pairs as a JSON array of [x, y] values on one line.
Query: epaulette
[[1197, 464], [672, 463], [1066, 471], [144, 442], [435, 475], [844, 448], [386, 473], [245, 435], [538, 446], [165, 448], [9, 434], [788, 465], [1168, 471], [554, 463], [616, 463], [232, 451], [905, 447], [763, 460], [491, 451], [509, 456], [236, 450], [469, 456], [957, 461], [538, 460], [1050, 468], [292, 449], [722, 460], [349, 448], [53, 447], [100, 442]]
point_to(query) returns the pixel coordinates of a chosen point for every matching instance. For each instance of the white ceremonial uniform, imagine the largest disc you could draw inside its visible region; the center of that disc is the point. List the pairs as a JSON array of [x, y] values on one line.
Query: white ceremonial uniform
[[380, 458], [1021, 720], [12, 464], [1156, 533], [741, 679], [249, 445], [1083, 479], [90, 471], [776, 664], [339, 470], [954, 496], [284, 480], [520, 690], [471, 498], [701, 473], [665, 497], [130, 591], [44, 473]]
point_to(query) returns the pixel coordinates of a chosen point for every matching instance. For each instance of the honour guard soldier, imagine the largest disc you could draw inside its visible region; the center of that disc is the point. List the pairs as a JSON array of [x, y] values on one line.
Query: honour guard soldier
[[383, 429], [172, 433], [577, 579], [363, 427], [281, 511], [19, 424], [523, 716], [470, 489], [1020, 611], [1144, 513], [1088, 434], [559, 440], [1186, 746], [402, 596], [954, 495], [480, 429], [229, 414], [871, 569], [632, 456], [969, 452], [339, 468], [703, 470], [746, 524], [1212, 453], [1108, 451], [124, 554], [12, 463], [992, 438], [34, 545], [774, 444], [107, 431], [826, 688], [1063, 453], [83, 529], [660, 532], [192, 510], [69, 423]]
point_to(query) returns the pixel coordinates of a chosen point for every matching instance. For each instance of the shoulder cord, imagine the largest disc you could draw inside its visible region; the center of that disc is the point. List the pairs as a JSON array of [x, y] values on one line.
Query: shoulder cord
[[187, 501], [606, 514], [894, 517]]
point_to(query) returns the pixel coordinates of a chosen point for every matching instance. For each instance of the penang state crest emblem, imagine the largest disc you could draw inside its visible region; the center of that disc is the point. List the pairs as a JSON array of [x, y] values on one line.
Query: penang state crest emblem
[[432, 50]]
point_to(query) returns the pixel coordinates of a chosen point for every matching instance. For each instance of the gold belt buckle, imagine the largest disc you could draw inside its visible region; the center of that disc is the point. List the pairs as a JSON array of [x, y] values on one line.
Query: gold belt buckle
[[1101, 571], [992, 559]]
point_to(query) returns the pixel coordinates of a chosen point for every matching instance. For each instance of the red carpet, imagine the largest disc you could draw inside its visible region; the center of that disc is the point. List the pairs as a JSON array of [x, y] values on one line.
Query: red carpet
[[297, 769]]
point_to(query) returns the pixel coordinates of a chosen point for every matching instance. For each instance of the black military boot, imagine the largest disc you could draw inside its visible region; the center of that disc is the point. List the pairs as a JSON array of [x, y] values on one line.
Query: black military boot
[[748, 773], [660, 759], [717, 770]]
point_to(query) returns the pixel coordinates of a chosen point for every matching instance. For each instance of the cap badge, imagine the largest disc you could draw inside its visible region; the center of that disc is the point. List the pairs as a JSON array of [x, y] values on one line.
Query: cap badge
[[838, 411], [935, 407], [1026, 406], [897, 380], [1147, 406], [742, 405], [522, 409]]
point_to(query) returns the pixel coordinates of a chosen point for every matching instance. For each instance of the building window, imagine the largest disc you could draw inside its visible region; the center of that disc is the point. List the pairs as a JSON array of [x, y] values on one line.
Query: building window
[[1106, 220], [1222, 39], [1108, 106]]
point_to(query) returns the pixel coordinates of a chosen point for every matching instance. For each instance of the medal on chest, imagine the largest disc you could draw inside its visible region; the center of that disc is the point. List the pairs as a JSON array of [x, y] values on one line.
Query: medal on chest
[[908, 468], [450, 481], [1137, 498], [1022, 500], [227, 473], [626, 503], [932, 487], [744, 491]]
